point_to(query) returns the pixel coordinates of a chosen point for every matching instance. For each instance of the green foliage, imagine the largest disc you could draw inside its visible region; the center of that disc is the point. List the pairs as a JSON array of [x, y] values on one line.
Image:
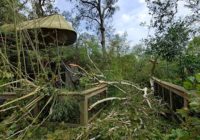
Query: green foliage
[[178, 134], [170, 45], [194, 46], [193, 83], [190, 127], [128, 119], [5, 76], [188, 85], [135, 121], [197, 77], [66, 110], [7, 13]]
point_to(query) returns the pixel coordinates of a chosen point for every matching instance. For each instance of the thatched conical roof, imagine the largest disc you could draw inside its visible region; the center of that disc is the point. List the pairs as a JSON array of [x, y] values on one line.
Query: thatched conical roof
[[50, 22], [52, 28]]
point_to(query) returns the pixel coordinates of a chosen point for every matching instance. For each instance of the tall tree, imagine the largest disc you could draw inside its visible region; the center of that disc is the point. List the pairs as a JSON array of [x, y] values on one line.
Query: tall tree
[[119, 45], [97, 12], [170, 35], [194, 6], [10, 10], [43, 8], [162, 12], [74, 19], [170, 45]]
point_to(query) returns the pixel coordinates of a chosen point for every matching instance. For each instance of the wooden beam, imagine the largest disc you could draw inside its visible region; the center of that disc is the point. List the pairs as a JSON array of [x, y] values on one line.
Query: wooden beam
[[185, 103], [96, 92], [84, 111], [85, 92], [163, 96], [8, 95], [171, 99], [174, 89], [170, 85]]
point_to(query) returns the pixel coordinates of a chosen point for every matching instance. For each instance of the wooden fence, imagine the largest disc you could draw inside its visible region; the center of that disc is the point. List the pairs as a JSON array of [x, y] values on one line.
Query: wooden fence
[[86, 98], [175, 96]]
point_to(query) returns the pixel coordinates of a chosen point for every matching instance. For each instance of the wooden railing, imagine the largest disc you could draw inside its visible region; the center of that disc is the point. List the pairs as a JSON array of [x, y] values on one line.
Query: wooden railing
[[85, 99], [175, 96]]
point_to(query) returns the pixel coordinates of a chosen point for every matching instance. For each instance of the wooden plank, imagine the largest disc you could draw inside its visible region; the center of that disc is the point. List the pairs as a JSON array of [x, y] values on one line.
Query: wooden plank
[[84, 112], [174, 89], [85, 95], [181, 92], [158, 89], [171, 100], [85, 92], [8, 95], [178, 92], [173, 86], [96, 92], [163, 96], [185, 103]]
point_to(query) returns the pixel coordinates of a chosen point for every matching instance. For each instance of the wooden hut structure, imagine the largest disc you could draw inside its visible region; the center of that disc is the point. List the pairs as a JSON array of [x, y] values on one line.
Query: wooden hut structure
[[42, 33]]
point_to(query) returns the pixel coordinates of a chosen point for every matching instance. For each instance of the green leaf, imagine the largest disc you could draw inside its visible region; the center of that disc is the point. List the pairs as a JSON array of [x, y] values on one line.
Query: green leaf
[[198, 88], [191, 79], [197, 76], [187, 85]]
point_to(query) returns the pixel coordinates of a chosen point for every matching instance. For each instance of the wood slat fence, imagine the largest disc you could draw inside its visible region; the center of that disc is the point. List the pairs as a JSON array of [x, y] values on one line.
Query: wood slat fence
[[85, 98]]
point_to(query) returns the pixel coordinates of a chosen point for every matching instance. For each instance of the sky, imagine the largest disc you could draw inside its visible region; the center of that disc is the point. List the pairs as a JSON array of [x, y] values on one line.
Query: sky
[[129, 17]]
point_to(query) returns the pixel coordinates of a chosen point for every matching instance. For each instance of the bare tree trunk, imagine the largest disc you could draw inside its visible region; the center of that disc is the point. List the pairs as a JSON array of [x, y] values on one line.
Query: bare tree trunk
[[39, 9], [102, 30], [103, 42]]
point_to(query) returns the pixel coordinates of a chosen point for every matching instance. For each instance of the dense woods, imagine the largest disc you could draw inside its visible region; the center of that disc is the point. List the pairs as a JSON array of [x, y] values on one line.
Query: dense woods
[[59, 68]]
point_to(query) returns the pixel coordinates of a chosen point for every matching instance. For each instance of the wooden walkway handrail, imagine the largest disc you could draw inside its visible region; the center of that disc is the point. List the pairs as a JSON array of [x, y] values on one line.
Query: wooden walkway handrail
[[10, 95], [172, 90], [181, 91], [83, 103], [84, 92]]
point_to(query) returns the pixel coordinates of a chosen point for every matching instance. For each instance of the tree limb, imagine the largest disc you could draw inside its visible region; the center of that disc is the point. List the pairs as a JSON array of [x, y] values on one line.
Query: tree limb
[[104, 100]]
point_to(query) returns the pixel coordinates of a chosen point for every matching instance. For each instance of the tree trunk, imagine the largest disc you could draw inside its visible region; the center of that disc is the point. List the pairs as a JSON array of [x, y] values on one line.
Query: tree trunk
[[103, 42], [102, 30], [39, 9]]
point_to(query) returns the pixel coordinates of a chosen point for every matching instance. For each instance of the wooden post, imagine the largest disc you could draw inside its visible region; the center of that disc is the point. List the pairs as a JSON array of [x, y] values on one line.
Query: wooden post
[[185, 103], [158, 86], [152, 85], [171, 100], [36, 110], [163, 96], [84, 111]]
